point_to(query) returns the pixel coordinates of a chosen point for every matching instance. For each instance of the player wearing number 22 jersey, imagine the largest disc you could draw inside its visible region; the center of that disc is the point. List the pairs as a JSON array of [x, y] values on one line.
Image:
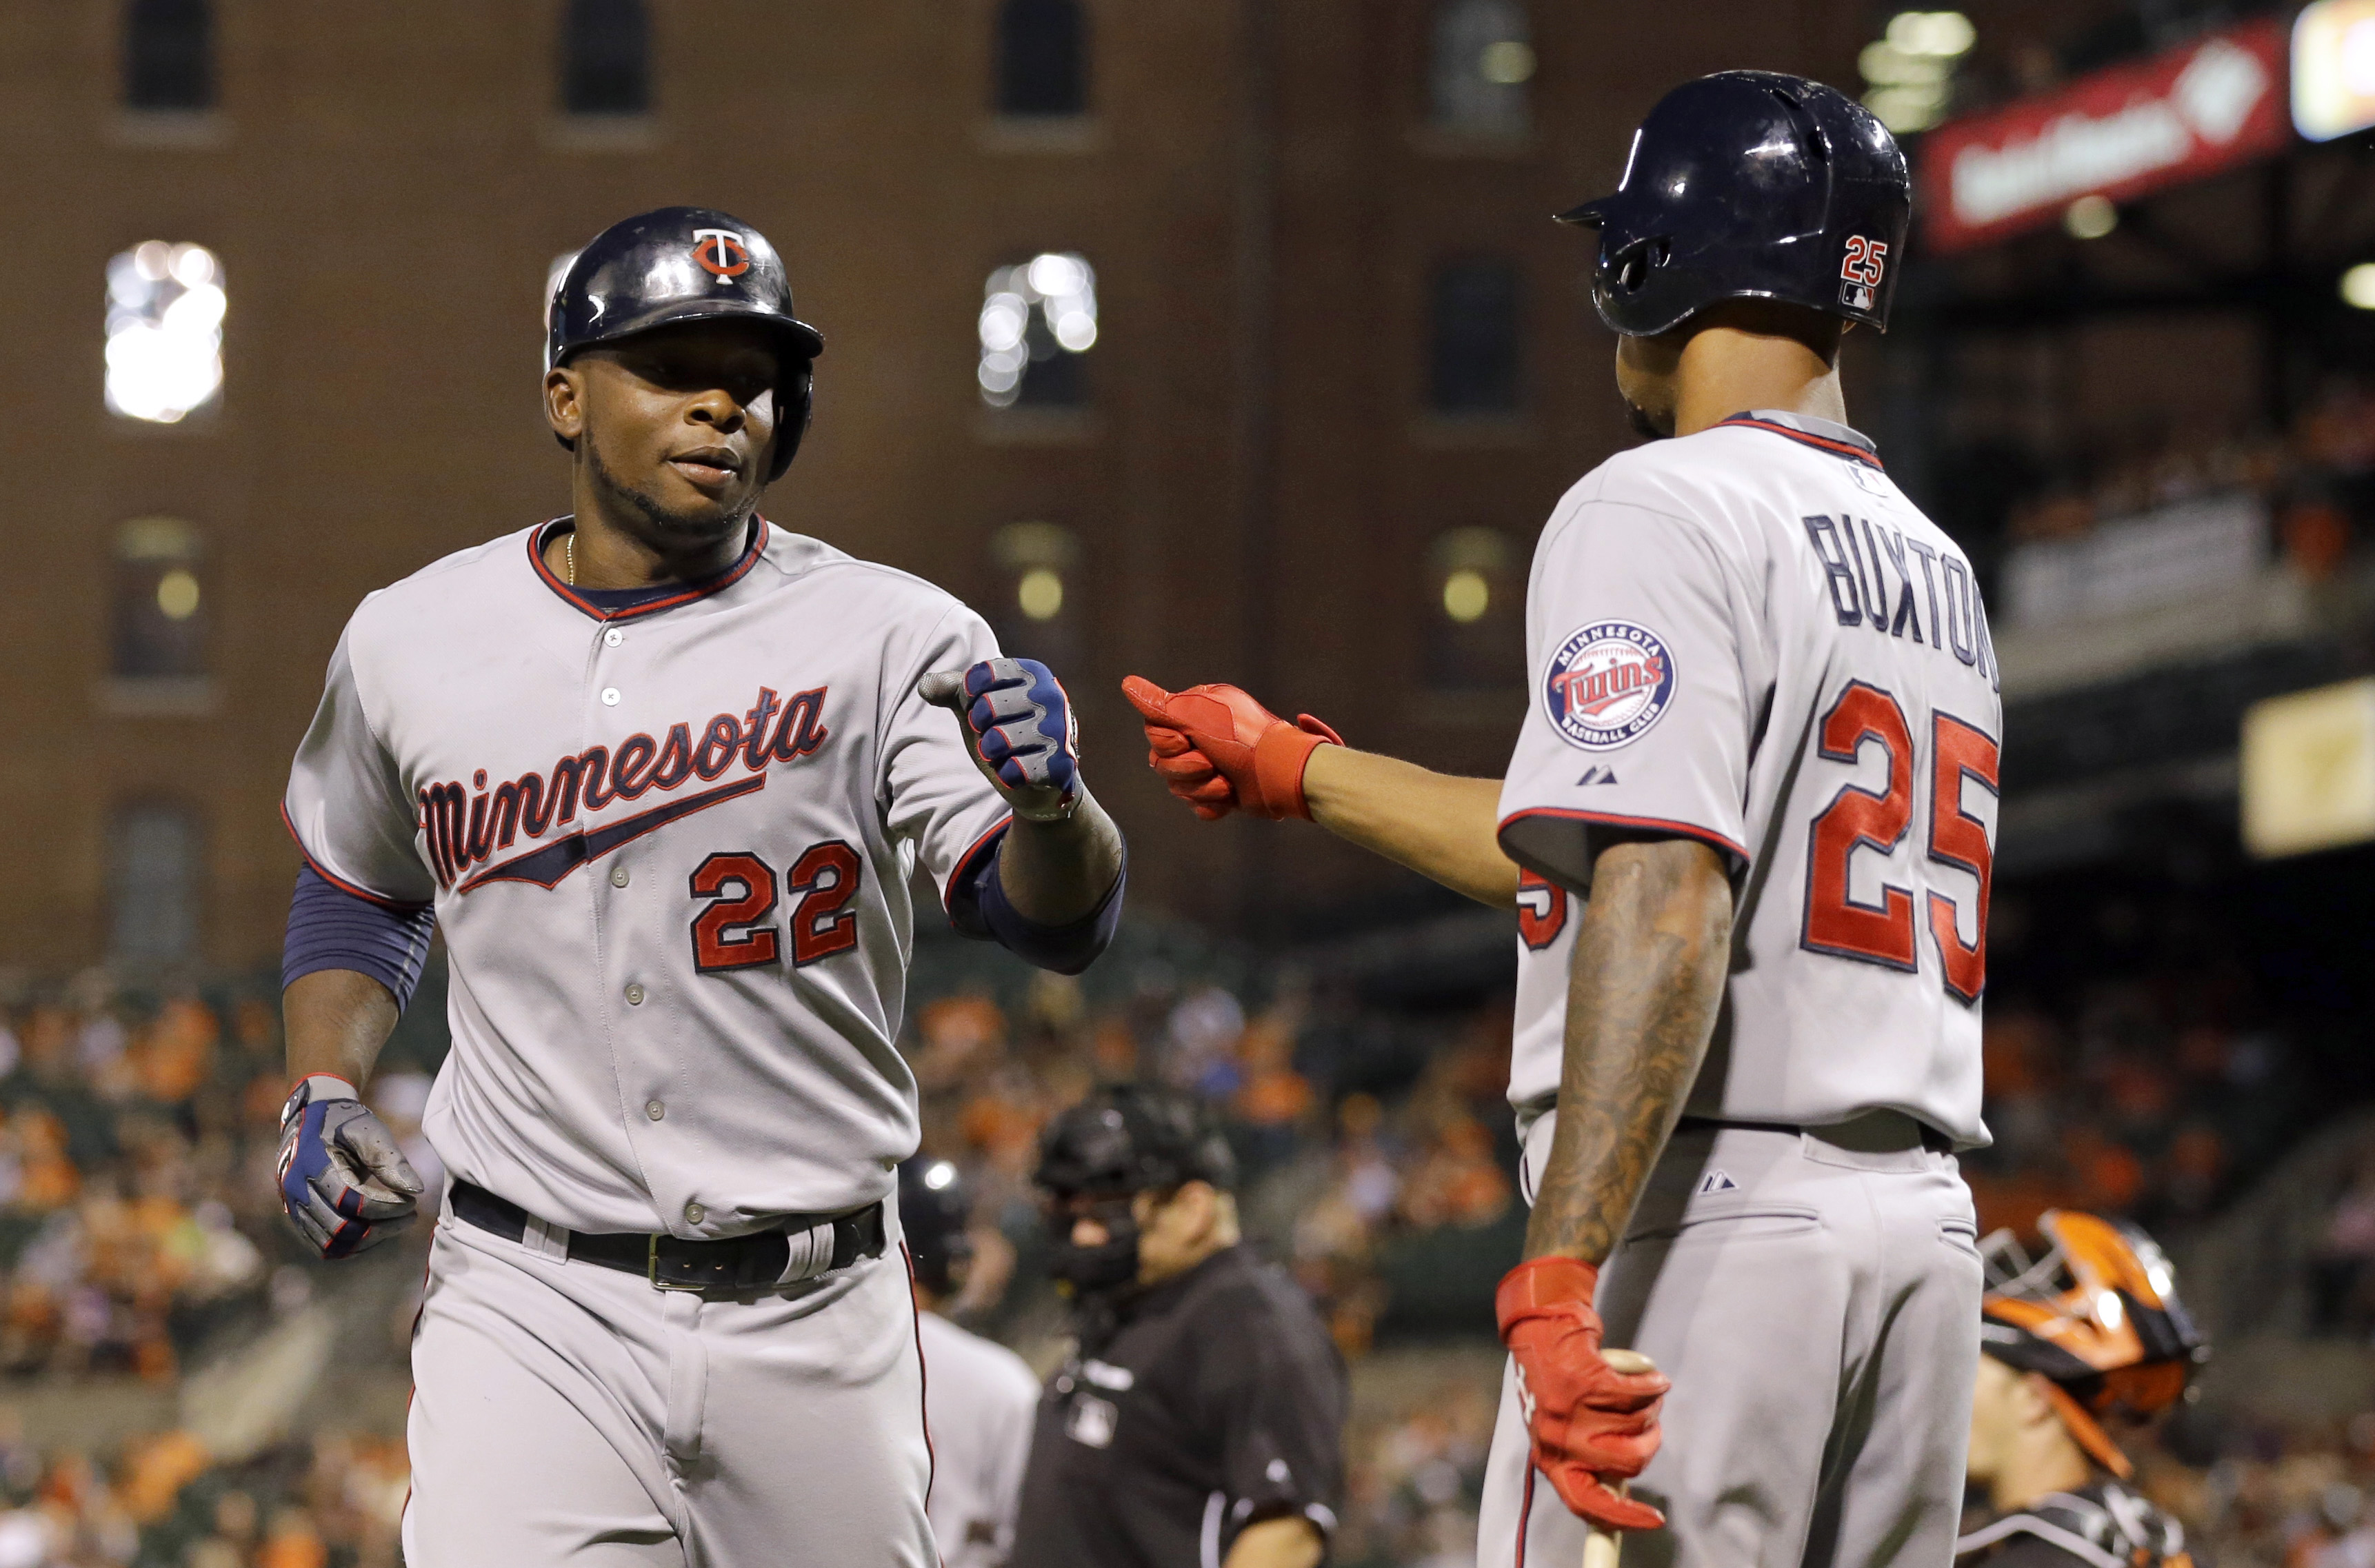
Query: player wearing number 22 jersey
[[665, 774]]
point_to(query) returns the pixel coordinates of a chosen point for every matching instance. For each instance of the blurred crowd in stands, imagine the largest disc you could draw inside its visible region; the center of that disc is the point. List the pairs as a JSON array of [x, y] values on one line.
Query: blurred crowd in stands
[[162, 1501], [2318, 476], [2133, 1072]]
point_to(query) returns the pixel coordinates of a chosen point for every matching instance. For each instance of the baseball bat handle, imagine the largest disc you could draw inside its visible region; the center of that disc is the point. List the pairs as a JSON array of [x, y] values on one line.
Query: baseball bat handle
[[1601, 1544]]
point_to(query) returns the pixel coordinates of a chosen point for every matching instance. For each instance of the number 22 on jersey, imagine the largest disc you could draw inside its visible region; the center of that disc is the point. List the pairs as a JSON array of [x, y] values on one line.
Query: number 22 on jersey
[[1857, 818], [737, 928]]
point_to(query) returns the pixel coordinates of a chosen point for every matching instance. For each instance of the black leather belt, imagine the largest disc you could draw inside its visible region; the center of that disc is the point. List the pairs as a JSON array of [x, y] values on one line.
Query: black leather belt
[[1933, 1140], [736, 1264]]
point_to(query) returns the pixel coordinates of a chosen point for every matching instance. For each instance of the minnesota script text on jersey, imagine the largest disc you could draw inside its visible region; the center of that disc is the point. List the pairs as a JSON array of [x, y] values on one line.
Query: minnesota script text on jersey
[[669, 848]]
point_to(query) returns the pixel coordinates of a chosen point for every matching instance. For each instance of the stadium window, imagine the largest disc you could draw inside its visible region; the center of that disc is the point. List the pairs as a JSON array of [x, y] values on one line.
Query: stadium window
[[153, 885], [1042, 58], [165, 305], [1037, 599], [159, 602], [1475, 614], [1480, 65], [1038, 321], [605, 68], [1472, 363], [169, 55]]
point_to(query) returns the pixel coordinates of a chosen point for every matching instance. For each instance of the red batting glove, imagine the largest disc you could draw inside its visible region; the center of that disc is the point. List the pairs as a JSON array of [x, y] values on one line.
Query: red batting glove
[[1220, 751], [1589, 1421]]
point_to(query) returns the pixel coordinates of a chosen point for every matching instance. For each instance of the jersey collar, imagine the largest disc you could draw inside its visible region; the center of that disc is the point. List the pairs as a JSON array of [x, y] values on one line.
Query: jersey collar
[[1822, 435], [700, 588]]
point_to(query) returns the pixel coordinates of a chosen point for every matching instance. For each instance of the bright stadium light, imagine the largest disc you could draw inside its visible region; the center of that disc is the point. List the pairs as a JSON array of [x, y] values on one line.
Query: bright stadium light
[[165, 306], [1037, 310], [2090, 218], [1908, 71], [2358, 287]]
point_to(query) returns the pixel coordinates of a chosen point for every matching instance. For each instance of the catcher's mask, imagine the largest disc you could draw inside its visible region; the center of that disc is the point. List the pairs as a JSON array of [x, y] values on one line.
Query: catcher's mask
[[2097, 1317], [1099, 1155]]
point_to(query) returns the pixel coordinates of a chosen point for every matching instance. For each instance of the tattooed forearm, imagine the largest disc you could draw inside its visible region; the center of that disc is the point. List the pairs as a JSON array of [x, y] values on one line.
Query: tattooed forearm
[[1649, 965]]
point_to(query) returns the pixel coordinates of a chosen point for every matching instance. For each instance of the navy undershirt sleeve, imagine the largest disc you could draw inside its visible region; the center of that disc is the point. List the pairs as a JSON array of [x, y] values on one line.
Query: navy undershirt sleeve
[[978, 908], [332, 929]]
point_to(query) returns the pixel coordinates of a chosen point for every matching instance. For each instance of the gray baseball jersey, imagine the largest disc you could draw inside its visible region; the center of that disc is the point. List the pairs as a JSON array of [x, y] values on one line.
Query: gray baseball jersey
[[669, 850], [979, 1400], [1750, 637]]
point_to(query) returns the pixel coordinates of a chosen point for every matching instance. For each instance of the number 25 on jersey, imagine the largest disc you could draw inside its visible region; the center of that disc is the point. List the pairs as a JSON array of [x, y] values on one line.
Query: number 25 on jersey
[[1859, 818]]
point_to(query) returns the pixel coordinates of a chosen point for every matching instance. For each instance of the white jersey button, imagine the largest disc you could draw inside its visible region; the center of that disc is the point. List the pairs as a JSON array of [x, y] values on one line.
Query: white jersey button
[[694, 1214], [617, 876], [634, 996], [655, 1109], [610, 696], [613, 637]]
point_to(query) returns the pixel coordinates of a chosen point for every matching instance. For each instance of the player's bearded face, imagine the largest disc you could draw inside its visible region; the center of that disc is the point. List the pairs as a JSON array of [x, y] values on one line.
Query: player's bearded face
[[678, 425], [1646, 378]]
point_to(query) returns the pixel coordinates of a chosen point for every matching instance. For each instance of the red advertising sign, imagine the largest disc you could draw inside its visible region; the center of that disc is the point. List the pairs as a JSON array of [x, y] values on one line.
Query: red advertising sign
[[2214, 103]]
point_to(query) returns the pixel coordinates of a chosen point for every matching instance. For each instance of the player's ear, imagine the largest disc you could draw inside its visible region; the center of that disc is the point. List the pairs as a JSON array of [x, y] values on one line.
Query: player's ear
[[564, 405], [2033, 1403]]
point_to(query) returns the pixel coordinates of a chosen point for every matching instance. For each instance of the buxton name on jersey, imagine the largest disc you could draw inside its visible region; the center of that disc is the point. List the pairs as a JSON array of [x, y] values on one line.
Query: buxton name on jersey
[[669, 850], [1750, 637]]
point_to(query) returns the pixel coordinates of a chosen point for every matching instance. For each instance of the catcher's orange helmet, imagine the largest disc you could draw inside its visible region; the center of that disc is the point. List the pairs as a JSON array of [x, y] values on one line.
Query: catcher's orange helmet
[[2097, 1317]]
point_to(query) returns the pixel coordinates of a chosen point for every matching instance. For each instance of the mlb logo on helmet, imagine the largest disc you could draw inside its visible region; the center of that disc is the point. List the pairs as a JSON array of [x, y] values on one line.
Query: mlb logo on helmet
[[1859, 273], [721, 253], [1608, 683]]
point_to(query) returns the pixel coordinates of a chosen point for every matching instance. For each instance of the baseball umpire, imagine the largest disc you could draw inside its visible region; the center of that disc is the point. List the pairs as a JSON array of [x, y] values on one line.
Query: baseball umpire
[[978, 1396], [659, 770], [1200, 1417], [2087, 1338], [1761, 739]]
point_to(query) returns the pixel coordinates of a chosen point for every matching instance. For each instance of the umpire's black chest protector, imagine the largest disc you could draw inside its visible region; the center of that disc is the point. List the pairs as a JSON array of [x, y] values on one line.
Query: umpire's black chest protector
[[1218, 1401]]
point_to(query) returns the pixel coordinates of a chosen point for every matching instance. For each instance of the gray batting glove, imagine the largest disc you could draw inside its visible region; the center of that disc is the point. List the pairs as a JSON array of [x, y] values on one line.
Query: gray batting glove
[[344, 1183], [1020, 729]]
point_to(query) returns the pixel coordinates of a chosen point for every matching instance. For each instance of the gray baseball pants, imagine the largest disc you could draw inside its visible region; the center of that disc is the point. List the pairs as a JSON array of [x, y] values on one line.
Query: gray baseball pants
[[1816, 1299], [565, 1413]]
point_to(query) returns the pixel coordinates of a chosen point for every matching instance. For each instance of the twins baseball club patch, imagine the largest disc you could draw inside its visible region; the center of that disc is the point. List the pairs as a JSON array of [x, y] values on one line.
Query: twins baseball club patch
[[1607, 684]]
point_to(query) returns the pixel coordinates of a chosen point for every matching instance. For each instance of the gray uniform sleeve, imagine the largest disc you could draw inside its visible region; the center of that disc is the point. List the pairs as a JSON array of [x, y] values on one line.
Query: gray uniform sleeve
[[1639, 717], [933, 794], [346, 804]]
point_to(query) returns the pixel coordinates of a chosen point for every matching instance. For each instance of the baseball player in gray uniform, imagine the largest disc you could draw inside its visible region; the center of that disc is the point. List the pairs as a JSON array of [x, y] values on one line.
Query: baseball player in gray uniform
[[660, 772], [981, 1397], [1762, 740]]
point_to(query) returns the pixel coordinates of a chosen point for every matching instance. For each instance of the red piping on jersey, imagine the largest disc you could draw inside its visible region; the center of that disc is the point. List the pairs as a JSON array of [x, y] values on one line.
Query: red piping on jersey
[[923, 1378], [339, 882], [965, 862], [1847, 450], [1526, 1508], [696, 590], [1612, 820]]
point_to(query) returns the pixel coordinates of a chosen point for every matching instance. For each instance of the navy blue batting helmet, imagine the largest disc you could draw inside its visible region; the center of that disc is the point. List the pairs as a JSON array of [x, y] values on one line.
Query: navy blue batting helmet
[[1751, 185], [681, 263], [934, 1206]]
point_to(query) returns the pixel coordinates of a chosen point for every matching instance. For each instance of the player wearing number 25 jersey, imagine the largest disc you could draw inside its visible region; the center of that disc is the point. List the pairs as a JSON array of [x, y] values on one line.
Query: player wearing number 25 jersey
[[1760, 739], [1750, 637]]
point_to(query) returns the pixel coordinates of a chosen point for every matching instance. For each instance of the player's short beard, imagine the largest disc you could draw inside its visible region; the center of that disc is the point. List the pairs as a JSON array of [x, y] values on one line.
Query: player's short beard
[[1645, 424], [667, 525]]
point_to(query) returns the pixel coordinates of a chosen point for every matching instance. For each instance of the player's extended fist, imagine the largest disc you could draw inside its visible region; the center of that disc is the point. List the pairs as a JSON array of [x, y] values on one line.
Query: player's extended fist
[[344, 1183], [1020, 728], [1589, 1421], [1220, 751]]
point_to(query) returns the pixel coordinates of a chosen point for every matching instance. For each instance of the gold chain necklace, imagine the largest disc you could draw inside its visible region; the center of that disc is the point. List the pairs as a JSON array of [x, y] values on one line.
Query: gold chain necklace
[[569, 554]]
